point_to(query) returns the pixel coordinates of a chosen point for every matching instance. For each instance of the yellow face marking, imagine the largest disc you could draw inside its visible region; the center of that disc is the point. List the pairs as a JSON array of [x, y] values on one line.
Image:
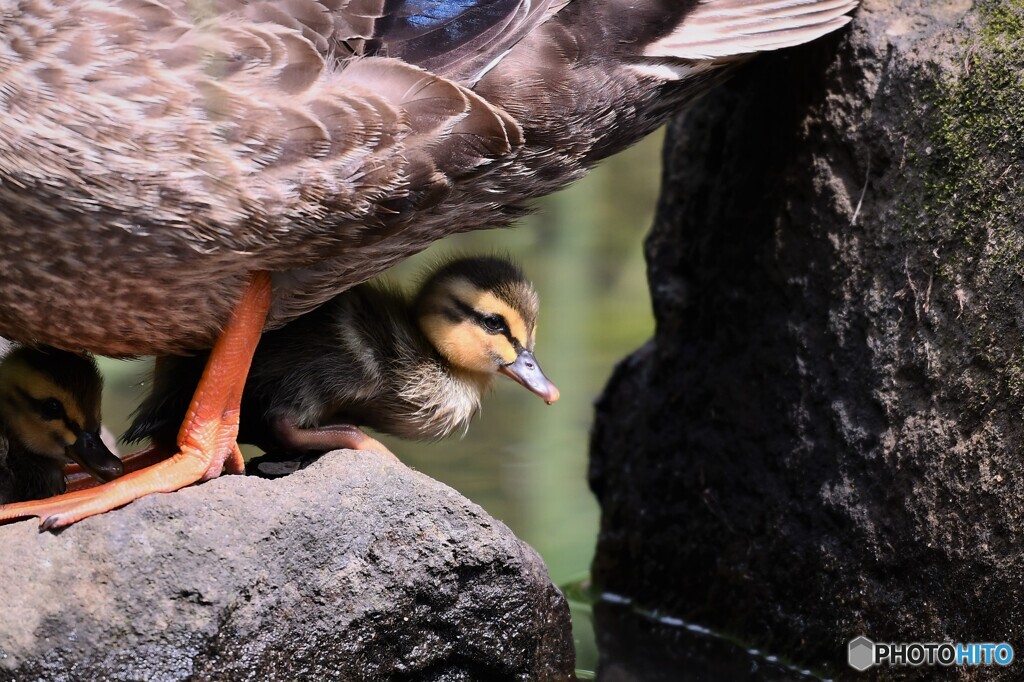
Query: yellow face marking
[[499, 345], [489, 304], [465, 343], [38, 436], [40, 388], [45, 437]]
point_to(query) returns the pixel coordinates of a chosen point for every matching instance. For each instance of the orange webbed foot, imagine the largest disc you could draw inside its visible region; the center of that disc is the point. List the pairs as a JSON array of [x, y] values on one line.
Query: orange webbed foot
[[207, 440]]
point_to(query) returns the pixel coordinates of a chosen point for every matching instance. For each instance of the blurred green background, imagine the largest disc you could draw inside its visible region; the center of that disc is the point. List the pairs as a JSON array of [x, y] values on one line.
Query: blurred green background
[[523, 461]]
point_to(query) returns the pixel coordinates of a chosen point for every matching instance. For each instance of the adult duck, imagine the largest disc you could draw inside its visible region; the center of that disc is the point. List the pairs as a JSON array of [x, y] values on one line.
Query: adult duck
[[165, 165]]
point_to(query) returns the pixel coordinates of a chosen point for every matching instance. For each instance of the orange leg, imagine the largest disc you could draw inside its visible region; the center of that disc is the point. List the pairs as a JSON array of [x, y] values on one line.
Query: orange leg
[[206, 440]]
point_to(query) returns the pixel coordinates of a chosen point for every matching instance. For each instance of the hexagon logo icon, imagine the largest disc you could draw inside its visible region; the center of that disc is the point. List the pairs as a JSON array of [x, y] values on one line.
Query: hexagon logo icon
[[861, 654]]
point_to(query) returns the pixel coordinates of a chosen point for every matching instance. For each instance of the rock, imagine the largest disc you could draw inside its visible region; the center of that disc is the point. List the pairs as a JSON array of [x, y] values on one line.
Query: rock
[[355, 568], [824, 437]]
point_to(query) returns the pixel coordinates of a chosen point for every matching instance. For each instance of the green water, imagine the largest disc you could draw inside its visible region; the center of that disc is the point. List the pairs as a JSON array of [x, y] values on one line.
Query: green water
[[523, 461]]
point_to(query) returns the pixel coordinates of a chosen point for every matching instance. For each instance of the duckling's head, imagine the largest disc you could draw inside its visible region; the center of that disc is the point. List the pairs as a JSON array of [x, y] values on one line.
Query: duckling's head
[[480, 314], [50, 404]]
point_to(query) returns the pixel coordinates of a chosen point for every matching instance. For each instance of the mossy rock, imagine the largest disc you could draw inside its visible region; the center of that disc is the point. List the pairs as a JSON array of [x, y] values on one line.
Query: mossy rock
[[823, 438]]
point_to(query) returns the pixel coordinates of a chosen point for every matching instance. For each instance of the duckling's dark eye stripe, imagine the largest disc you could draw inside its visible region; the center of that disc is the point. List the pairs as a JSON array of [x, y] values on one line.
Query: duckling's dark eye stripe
[[26, 398], [452, 315], [468, 311], [38, 405], [513, 340]]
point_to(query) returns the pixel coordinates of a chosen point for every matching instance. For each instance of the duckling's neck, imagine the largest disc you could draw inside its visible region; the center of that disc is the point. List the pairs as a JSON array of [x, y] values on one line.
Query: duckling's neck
[[477, 381], [441, 399]]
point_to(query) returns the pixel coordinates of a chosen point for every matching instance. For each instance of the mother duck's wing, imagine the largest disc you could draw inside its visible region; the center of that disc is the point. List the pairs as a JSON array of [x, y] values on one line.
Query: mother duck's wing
[[151, 154], [154, 153]]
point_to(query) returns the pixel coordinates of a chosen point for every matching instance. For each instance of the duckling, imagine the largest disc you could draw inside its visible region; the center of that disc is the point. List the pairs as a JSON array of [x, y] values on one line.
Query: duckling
[[49, 417], [415, 368]]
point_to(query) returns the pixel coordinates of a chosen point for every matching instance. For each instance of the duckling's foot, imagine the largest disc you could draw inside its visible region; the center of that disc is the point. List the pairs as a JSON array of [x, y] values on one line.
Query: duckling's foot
[[206, 440], [325, 438]]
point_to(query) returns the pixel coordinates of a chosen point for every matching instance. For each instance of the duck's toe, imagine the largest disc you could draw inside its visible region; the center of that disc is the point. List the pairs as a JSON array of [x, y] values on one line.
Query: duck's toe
[[207, 440]]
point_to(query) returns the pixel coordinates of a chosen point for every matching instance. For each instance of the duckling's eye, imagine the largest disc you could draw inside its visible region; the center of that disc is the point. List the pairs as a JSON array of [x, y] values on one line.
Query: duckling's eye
[[50, 409], [493, 323]]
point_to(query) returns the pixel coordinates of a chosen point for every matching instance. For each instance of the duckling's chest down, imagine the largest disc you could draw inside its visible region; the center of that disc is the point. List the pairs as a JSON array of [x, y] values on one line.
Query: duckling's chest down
[[430, 403]]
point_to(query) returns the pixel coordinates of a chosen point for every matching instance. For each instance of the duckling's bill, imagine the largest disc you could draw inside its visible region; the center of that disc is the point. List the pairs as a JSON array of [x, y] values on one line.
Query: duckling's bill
[[526, 370], [92, 454]]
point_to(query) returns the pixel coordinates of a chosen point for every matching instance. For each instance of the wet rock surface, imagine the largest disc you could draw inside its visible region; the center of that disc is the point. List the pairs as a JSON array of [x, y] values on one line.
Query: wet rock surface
[[354, 568], [824, 437]]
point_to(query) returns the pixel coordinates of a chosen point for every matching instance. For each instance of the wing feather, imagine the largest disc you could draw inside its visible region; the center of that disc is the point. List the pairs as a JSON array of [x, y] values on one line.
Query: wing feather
[[717, 29]]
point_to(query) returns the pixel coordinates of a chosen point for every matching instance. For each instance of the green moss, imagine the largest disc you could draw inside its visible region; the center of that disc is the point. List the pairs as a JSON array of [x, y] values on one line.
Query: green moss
[[978, 133], [1002, 18], [970, 163]]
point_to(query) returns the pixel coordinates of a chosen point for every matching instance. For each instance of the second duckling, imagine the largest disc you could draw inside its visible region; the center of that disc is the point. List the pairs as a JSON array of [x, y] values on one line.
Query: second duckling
[[412, 368], [49, 417]]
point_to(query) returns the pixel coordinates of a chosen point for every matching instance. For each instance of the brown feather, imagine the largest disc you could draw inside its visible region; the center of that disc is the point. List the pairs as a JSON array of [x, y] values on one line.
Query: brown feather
[[152, 154]]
